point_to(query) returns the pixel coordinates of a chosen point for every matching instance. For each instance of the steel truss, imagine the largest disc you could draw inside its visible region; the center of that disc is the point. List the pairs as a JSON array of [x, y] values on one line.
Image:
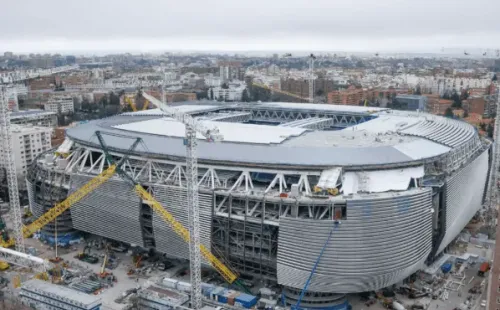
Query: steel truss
[[282, 116], [24, 260]]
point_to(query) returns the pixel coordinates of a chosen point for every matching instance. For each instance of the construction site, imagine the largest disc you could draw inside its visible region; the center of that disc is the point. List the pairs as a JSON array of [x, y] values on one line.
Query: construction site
[[261, 205]]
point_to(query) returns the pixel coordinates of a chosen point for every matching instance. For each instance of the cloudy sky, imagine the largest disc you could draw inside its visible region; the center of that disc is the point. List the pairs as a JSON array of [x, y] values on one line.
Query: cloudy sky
[[243, 25]]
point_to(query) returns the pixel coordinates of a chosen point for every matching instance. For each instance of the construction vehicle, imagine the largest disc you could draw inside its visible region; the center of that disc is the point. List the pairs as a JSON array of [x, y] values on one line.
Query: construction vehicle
[[103, 273], [483, 269], [85, 256], [4, 266]]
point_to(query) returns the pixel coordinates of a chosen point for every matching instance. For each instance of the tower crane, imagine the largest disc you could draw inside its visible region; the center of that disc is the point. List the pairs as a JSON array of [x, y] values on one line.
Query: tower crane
[[10, 167], [5, 132], [193, 127], [311, 77]]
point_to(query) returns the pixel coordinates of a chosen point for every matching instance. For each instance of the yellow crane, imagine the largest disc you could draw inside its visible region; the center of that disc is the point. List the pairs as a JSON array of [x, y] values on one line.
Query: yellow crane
[[229, 275], [178, 228], [134, 106], [59, 208], [73, 198]]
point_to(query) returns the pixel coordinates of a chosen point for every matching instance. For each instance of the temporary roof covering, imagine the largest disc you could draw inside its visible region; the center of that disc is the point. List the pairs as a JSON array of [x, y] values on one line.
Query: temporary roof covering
[[182, 108], [232, 132], [323, 107], [329, 178], [380, 181]]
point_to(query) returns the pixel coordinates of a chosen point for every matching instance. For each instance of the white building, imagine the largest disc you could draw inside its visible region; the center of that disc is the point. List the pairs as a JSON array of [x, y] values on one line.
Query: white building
[[34, 118], [189, 79], [28, 142], [60, 104], [212, 81], [233, 93]]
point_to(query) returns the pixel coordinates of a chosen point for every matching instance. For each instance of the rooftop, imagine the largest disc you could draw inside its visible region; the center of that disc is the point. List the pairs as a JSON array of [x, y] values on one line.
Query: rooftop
[[387, 138], [30, 114], [61, 291]]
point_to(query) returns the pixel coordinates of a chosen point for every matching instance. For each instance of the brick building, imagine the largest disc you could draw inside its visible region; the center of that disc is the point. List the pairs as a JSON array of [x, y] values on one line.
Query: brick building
[[475, 105], [352, 96], [300, 87], [438, 106]]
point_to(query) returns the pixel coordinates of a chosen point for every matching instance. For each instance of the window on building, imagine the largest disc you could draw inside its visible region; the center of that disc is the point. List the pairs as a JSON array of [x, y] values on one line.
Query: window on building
[[498, 300]]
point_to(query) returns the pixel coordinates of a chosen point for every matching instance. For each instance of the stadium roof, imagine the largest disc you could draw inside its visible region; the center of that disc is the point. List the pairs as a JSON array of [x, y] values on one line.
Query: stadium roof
[[391, 138]]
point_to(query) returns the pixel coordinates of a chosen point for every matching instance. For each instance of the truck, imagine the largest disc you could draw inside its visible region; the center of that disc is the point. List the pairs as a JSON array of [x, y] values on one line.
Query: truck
[[484, 268]]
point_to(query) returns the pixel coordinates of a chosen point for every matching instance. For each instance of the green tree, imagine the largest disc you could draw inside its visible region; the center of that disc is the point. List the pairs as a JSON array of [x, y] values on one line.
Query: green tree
[[457, 102], [489, 131], [244, 96], [202, 94], [211, 94], [466, 114], [482, 126], [494, 77], [448, 113], [225, 86], [418, 91]]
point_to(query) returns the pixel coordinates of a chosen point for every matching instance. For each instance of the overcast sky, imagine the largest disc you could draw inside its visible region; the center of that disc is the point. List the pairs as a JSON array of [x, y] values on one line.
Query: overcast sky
[[248, 25]]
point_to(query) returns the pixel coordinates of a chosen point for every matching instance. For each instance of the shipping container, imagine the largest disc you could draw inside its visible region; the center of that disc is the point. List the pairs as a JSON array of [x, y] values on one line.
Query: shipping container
[[246, 300], [215, 292], [222, 296]]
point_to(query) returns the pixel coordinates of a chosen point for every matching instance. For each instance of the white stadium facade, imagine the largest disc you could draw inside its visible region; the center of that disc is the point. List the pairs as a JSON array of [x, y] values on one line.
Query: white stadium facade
[[403, 184]]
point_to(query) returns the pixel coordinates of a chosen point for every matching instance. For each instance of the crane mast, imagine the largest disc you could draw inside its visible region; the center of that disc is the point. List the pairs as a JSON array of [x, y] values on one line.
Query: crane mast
[[311, 78], [190, 141], [10, 167], [194, 216]]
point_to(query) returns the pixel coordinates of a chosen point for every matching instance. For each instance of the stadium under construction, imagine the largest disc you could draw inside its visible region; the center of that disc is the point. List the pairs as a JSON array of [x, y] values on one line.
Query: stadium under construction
[[402, 184]]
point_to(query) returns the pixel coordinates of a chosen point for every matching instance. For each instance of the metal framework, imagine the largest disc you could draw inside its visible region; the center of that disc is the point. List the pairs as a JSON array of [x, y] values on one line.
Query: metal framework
[[311, 78], [287, 115], [491, 197], [10, 167], [193, 127], [24, 260]]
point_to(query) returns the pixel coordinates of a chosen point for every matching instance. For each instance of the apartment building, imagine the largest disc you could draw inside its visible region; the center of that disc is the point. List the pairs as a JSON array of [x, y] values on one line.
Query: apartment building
[[34, 118], [28, 142], [476, 105], [351, 96], [233, 93], [438, 106], [62, 105]]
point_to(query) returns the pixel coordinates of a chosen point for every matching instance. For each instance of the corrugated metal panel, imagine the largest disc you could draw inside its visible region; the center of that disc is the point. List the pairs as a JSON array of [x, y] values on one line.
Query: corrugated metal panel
[[383, 240], [112, 210], [174, 200], [464, 195], [34, 207]]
